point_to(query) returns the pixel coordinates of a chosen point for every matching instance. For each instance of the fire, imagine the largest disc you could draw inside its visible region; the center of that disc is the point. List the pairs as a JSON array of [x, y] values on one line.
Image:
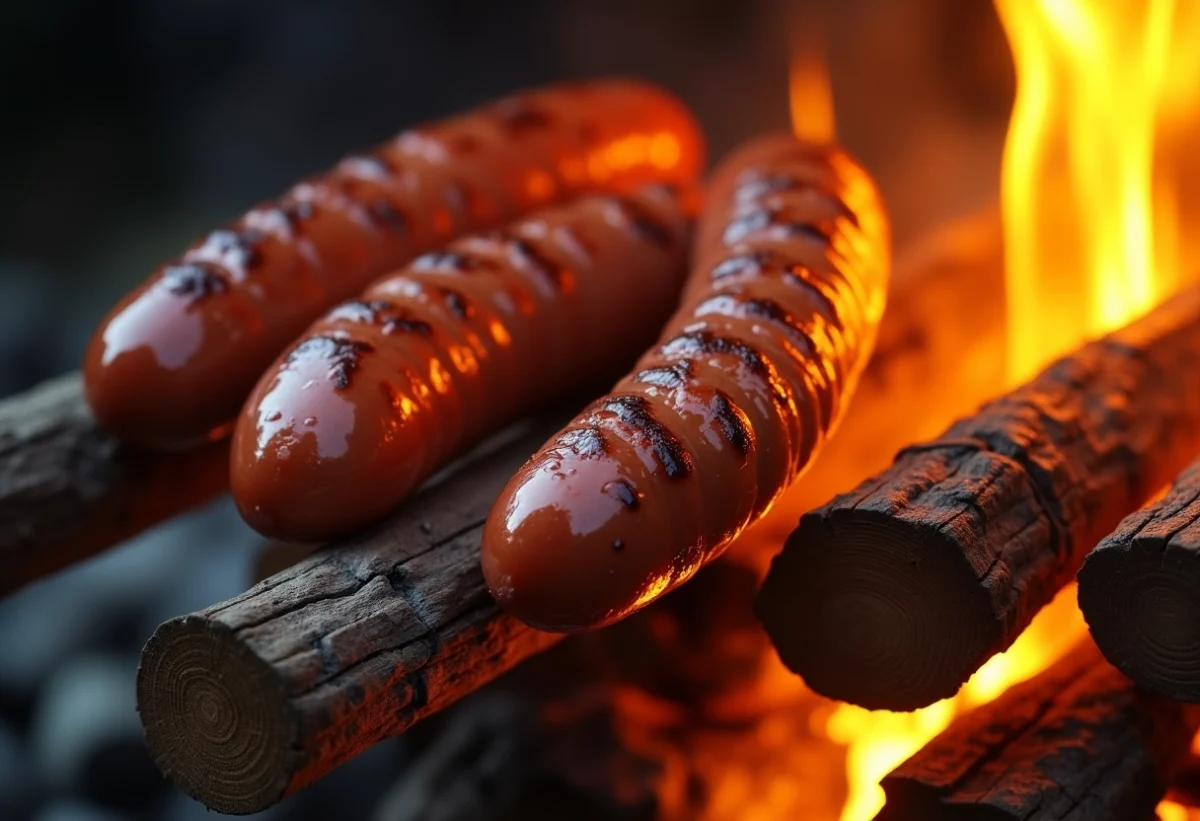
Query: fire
[[1090, 206], [811, 92], [1091, 201]]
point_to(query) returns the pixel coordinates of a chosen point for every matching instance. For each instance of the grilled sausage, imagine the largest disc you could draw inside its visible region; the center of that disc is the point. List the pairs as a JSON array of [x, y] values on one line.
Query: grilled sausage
[[172, 363], [383, 391], [750, 376]]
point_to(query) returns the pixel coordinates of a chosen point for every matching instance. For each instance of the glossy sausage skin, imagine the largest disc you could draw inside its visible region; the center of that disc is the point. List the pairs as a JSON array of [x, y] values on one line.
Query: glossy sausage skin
[[750, 376], [383, 391], [173, 362]]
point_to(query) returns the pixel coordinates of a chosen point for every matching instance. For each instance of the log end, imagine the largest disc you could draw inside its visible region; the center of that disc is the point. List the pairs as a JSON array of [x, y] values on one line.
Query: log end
[[1143, 609], [905, 624], [214, 717]]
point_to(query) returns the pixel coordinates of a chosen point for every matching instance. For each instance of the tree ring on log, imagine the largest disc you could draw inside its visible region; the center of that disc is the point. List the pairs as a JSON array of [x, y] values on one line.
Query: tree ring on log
[[1143, 608], [214, 716], [908, 614]]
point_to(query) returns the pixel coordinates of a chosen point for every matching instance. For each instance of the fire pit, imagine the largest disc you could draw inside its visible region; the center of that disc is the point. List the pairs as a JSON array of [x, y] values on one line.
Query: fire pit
[[1035, 370]]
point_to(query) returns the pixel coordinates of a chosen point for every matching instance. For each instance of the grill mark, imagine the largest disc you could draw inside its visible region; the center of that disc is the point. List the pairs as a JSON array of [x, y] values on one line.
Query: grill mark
[[733, 426], [666, 376], [359, 311], [527, 256], [586, 442], [234, 249], [294, 212], [453, 262], [406, 326], [625, 493], [760, 308], [705, 342], [635, 412], [193, 280], [755, 189], [344, 356], [457, 304], [387, 216], [761, 219], [697, 343], [765, 263], [643, 222]]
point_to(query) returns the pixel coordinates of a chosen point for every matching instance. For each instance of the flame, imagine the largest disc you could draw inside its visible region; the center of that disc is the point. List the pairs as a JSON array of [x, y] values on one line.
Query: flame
[[1091, 212], [1093, 225], [810, 90]]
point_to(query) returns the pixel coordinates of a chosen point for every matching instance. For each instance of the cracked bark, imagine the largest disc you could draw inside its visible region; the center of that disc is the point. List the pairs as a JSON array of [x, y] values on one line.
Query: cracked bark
[[1077, 743], [69, 490], [892, 595], [1140, 592], [251, 699]]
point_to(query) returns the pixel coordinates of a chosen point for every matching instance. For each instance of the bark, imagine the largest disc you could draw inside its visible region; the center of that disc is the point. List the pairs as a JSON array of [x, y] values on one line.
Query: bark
[[1077, 743], [1140, 592], [892, 595], [251, 699], [69, 490]]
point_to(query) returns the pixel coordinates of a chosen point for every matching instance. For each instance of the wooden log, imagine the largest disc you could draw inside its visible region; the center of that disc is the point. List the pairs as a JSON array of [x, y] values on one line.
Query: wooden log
[[891, 595], [69, 490], [1079, 742], [251, 699], [1140, 592]]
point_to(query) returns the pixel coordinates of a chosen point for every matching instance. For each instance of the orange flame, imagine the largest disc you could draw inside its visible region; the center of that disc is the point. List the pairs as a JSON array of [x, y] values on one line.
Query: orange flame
[[811, 93]]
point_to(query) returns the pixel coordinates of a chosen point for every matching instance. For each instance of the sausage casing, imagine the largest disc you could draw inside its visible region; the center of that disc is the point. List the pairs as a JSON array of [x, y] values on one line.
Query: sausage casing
[[383, 391], [750, 376], [174, 360]]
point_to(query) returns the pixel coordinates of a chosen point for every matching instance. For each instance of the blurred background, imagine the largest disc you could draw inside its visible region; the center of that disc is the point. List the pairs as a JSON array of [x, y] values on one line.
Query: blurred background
[[134, 126]]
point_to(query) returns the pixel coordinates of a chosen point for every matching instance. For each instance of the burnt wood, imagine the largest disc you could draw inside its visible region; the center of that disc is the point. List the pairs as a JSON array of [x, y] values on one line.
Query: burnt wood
[[69, 490], [1140, 592], [1077, 743], [500, 756], [893, 594], [251, 699]]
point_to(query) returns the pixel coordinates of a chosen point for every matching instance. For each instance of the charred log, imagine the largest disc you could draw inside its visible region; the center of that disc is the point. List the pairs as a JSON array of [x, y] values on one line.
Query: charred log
[[891, 595], [255, 697], [69, 490], [1140, 592], [1077, 743]]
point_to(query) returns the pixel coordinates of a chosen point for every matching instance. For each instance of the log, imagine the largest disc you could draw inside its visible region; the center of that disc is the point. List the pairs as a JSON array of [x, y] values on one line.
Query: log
[[1140, 592], [891, 595], [1079, 742], [69, 490], [255, 697]]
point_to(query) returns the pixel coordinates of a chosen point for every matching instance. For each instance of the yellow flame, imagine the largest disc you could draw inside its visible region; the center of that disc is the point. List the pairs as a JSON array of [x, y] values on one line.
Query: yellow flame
[[810, 90], [1093, 184], [878, 741], [1091, 215]]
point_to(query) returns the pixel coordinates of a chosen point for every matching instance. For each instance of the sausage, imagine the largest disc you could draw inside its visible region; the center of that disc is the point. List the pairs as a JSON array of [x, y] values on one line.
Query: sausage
[[750, 376], [172, 363], [384, 390]]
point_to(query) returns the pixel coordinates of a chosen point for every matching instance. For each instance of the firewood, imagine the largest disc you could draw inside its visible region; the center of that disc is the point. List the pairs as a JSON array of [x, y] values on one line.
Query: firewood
[[1077, 743], [69, 490], [435, 634], [892, 595], [1140, 592], [251, 699]]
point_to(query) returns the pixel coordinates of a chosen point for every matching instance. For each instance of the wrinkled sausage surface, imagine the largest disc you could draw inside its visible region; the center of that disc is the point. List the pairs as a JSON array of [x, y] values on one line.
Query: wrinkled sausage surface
[[750, 376], [383, 391], [174, 360]]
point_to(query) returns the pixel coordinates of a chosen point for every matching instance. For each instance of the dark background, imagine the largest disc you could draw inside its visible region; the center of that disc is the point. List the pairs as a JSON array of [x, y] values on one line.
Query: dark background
[[131, 126]]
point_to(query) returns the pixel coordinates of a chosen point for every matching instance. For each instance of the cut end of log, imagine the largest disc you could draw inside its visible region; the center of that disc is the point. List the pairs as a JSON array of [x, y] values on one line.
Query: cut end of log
[[214, 718], [1143, 609], [903, 627]]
